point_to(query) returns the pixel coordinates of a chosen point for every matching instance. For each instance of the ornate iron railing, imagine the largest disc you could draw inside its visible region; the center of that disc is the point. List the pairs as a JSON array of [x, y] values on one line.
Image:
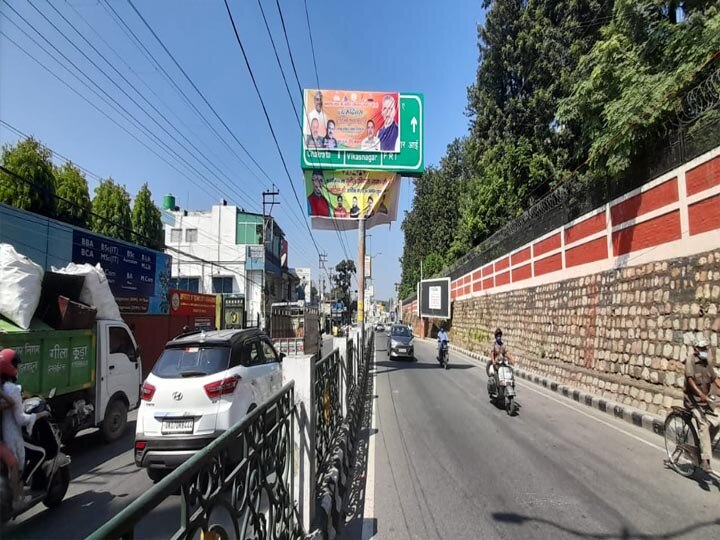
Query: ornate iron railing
[[328, 408], [246, 474]]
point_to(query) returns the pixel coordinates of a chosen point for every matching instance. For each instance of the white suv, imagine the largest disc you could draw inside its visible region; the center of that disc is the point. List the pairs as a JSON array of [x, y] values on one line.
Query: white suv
[[201, 385]]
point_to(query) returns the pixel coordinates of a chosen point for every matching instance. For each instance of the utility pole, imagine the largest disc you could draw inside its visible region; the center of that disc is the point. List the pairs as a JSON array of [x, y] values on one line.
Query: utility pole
[[268, 200], [361, 282], [322, 259]]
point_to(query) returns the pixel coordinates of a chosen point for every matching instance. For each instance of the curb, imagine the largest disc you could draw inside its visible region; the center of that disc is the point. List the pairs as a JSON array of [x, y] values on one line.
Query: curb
[[636, 417]]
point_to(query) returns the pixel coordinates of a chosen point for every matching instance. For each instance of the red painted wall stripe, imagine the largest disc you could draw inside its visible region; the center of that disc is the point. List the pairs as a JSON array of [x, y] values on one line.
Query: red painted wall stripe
[[550, 243], [476, 275], [467, 289], [488, 283], [595, 250], [705, 215], [524, 272], [521, 256], [502, 279], [487, 270], [647, 234], [502, 264], [585, 228], [703, 176], [548, 264], [642, 203], [477, 286]]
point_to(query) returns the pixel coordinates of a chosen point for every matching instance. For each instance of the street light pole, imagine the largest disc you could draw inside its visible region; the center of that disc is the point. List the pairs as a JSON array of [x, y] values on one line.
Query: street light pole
[[361, 282]]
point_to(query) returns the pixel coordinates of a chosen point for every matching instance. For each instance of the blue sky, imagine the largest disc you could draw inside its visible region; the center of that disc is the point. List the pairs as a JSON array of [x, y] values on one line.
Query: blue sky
[[421, 46]]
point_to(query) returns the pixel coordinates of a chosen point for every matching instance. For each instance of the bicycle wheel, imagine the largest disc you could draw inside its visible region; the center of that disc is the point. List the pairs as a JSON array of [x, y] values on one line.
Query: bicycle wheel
[[681, 444]]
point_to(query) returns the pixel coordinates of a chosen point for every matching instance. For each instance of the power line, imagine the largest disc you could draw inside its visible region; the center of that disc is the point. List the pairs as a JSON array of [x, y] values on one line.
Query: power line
[[300, 124], [194, 147], [195, 87], [267, 117], [312, 46]]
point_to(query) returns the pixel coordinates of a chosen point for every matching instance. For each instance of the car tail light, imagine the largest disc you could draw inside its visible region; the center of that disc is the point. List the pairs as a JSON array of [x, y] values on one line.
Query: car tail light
[[140, 445], [221, 387], [148, 391]]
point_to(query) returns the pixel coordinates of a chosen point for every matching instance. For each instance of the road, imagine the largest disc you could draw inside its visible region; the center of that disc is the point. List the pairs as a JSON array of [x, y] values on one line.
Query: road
[[104, 481], [445, 463]]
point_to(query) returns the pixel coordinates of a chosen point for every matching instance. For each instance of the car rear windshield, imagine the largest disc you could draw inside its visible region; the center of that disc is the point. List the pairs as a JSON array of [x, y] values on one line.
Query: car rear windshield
[[192, 361], [401, 331]]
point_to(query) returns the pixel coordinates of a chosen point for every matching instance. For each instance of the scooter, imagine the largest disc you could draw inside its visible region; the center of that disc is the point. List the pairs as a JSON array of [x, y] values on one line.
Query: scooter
[[443, 356], [501, 388], [46, 475]]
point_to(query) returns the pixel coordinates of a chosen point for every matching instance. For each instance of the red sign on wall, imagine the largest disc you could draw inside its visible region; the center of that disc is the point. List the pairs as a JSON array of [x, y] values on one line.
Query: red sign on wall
[[192, 304]]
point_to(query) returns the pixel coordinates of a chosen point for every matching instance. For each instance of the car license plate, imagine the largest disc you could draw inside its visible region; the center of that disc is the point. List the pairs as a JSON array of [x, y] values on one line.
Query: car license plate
[[402, 349], [178, 426]]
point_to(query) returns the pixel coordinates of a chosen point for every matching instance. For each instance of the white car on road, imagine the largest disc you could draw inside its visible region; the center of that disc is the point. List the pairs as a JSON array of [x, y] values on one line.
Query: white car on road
[[201, 385]]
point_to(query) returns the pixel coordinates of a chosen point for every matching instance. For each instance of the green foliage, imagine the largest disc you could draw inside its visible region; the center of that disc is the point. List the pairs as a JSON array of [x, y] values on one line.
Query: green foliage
[[430, 226], [73, 203], [342, 281], [633, 80], [111, 206], [147, 220], [30, 160]]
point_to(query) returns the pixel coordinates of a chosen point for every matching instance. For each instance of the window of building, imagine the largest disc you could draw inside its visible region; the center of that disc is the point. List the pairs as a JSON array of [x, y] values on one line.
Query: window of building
[[191, 235], [191, 284], [222, 285], [175, 235]]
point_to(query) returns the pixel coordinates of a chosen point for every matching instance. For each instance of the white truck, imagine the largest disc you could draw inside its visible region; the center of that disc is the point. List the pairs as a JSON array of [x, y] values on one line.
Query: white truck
[[95, 373]]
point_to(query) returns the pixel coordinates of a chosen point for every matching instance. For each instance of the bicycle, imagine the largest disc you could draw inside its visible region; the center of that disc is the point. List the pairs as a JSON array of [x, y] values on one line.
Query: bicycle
[[682, 443]]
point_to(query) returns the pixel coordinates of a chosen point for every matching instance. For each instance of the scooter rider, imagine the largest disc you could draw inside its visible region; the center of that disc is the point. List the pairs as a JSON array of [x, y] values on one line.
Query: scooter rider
[[442, 337], [13, 416], [498, 352]]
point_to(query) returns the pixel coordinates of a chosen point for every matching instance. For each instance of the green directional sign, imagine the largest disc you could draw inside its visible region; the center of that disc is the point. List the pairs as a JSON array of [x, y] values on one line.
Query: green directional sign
[[409, 161]]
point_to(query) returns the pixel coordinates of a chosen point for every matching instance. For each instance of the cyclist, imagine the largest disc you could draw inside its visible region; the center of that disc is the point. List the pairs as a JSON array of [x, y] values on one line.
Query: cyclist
[[701, 389]]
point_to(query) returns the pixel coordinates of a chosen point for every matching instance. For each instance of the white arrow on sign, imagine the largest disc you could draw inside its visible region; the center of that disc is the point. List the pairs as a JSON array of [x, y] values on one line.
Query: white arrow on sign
[[413, 123]]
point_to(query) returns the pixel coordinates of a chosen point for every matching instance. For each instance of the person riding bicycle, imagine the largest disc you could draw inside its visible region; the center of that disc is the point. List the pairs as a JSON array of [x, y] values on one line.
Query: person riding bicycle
[[701, 397], [442, 338], [498, 352]]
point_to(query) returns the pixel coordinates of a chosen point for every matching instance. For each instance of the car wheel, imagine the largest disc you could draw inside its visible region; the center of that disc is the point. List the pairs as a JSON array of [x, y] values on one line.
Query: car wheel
[[157, 474], [115, 421]]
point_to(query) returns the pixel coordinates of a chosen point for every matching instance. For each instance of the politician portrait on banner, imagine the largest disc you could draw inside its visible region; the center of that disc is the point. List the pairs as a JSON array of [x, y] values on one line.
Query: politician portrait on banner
[[351, 120]]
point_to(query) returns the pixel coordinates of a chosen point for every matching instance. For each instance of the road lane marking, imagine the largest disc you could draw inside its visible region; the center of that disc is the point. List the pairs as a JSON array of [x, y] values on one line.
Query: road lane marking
[[569, 406], [369, 507]]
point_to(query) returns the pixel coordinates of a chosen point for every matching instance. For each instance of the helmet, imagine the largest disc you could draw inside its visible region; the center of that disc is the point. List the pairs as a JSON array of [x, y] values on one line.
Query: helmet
[[700, 343], [498, 332], [9, 361]]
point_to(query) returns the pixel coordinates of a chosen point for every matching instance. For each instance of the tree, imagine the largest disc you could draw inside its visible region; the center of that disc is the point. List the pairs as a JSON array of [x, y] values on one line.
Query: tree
[[632, 81], [147, 220], [32, 162], [111, 206], [343, 281], [73, 202]]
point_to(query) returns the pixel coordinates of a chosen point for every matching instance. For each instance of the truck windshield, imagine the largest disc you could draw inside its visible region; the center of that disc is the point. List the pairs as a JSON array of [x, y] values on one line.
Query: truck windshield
[[191, 362]]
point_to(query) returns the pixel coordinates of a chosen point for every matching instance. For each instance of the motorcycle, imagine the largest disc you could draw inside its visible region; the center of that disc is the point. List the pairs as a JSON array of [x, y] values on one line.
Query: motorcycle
[[46, 475], [443, 355], [501, 387]]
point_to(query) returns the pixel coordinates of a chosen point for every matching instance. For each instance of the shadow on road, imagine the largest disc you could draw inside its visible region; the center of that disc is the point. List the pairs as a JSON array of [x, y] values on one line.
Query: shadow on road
[[701, 478], [624, 533], [89, 450], [397, 365]]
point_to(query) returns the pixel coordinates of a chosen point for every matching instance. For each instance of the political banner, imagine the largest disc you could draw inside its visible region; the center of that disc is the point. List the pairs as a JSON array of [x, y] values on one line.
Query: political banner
[[337, 199], [337, 120]]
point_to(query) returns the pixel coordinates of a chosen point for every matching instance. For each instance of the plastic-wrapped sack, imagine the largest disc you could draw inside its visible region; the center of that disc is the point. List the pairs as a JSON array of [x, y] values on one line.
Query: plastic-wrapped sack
[[20, 286], [96, 289]]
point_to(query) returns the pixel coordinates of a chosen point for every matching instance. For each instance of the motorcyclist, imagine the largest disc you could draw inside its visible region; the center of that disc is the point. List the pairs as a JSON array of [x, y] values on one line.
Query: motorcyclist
[[13, 416], [701, 397], [498, 352], [442, 337]]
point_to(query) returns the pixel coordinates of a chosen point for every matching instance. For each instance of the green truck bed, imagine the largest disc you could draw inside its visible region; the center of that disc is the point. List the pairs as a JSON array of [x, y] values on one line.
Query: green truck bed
[[60, 359]]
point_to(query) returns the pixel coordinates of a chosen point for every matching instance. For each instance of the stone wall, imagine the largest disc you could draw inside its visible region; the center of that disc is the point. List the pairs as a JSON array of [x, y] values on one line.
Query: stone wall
[[623, 333]]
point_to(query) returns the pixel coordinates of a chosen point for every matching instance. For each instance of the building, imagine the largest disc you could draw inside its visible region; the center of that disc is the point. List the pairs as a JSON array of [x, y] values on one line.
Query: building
[[226, 250]]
